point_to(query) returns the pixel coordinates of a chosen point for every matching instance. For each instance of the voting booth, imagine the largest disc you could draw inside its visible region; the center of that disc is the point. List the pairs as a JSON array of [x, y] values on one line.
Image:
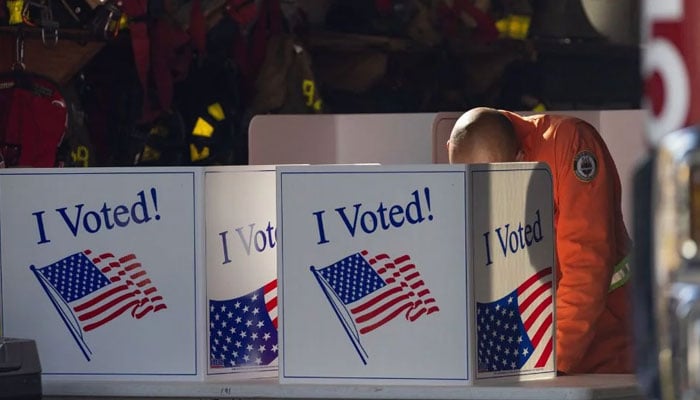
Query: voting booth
[[241, 259], [421, 274], [141, 273]]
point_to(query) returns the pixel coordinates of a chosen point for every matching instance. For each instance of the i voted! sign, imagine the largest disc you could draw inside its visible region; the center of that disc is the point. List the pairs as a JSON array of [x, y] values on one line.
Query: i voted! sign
[[99, 266], [438, 274], [372, 267]]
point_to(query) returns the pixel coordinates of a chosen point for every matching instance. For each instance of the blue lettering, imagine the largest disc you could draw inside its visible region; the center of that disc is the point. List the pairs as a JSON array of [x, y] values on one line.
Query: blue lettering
[[224, 245], [118, 212], [516, 240], [246, 243], [140, 204], [394, 212], [373, 220], [40, 225], [72, 225], [351, 227], [86, 222], [488, 249], [258, 245], [321, 230], [503, 241], [105, 217]]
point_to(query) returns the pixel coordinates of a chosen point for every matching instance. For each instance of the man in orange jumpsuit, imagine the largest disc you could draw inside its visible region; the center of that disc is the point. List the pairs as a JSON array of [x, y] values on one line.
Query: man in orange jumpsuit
[[592, 244]]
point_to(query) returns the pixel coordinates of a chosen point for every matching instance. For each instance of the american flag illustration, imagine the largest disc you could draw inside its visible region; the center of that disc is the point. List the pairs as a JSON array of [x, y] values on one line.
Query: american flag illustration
[[243, 330], [517, 327], [368, 292], [89, 291]]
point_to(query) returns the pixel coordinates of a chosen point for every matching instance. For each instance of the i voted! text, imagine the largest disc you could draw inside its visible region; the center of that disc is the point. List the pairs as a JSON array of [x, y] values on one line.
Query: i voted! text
[[78, 219]]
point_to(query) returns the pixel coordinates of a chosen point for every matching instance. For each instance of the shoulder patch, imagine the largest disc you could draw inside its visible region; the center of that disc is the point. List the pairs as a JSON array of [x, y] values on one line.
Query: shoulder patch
[[585, 166]]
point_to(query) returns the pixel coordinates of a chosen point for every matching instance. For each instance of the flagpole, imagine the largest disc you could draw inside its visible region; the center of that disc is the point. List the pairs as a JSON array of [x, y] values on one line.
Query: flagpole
[[76, 336], [353, 338]]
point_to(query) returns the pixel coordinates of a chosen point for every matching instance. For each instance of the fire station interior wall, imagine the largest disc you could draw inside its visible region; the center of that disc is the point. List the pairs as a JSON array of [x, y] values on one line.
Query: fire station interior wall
[[416, 138]]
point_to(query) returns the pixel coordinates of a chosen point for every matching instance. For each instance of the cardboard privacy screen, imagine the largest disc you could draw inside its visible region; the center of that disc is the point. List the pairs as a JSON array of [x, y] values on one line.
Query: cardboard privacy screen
[[241, 240], [141, 273], [385, 273], [100, 268]]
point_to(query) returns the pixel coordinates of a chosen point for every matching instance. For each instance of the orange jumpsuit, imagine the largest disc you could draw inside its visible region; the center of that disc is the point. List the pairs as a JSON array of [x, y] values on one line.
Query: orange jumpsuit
[[593, 319]]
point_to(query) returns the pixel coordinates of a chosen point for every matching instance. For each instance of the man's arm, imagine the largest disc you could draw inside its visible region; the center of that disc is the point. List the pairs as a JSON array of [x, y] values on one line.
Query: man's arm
[[587, 182]]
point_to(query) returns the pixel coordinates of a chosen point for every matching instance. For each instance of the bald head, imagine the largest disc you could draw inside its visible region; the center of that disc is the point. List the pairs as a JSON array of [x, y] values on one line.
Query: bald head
[[482, 135]]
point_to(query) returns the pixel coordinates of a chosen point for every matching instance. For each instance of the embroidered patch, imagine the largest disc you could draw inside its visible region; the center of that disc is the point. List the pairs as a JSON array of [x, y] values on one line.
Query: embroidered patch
[[585, 166]]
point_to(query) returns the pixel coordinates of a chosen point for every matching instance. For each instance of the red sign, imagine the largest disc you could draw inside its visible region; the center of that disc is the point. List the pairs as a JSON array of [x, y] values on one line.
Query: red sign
[[671, 65]]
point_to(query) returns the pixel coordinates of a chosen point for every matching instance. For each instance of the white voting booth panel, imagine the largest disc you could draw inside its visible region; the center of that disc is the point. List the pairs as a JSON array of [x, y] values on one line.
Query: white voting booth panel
[[341, 138], [241, 272], [422, 274], [115, 276], [622, 130]]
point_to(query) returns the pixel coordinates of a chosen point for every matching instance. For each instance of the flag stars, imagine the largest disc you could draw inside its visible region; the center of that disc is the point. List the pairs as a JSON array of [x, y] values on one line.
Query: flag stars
[[266, 336], [256, 311], [260, 324], [274, 348], [249, 347], [510, 300], [262, 348], [228, 339], [223, 307], [249, 323], [255, 297], [229, 315], [254, 335], [237, 305], [245, 309], [219, 333], [238, 344]]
